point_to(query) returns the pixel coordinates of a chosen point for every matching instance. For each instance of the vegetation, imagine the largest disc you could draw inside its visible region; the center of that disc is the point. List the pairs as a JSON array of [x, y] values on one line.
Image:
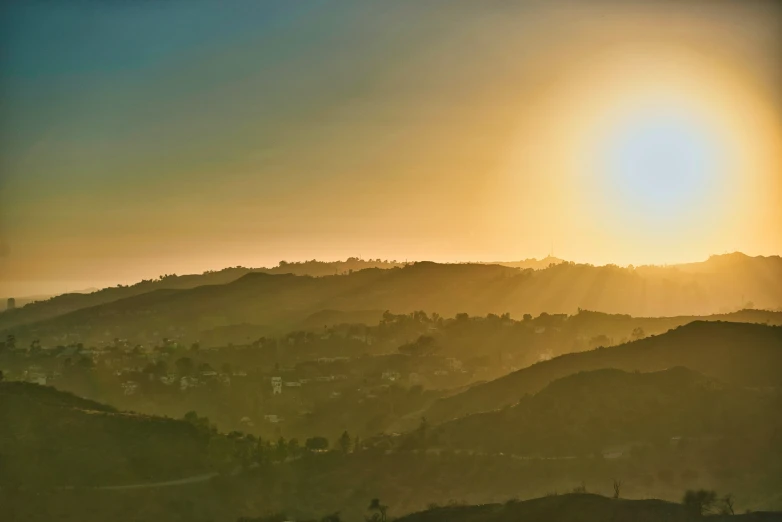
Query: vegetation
[[277, 302], [737, 353]]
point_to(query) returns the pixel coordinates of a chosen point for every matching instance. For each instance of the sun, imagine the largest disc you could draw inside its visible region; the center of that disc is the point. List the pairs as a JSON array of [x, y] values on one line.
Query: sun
[[661, 167]]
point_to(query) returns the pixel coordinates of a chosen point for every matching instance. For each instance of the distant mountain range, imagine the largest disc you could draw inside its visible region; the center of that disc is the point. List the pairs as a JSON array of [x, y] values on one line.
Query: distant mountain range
[[187, 306]]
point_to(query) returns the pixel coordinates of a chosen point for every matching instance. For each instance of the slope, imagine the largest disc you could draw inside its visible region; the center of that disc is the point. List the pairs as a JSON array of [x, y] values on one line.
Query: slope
[[737, 353], [52, 438], [591, 412]]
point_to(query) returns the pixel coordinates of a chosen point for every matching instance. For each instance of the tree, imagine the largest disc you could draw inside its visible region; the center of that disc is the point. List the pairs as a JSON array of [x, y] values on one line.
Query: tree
[[1, 375], [617, 486], [184, 366], [377, 511], [637, 333], [294, 450], [10, 342], [700, 502], [344, 442], [316, 444], [424, 345], [281, 453], [726, 507]]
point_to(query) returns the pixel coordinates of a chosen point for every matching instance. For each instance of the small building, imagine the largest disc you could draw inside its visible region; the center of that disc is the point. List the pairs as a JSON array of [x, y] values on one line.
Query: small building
[[454, 364], [129, 387], [11, 304], [276, 385], [391, 376], [188, 382]]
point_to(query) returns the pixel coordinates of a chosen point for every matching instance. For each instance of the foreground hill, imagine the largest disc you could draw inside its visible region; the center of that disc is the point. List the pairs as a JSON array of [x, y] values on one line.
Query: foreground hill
[[736, 353], [576, 508], [52, 438], [592, 412], [285, 301]]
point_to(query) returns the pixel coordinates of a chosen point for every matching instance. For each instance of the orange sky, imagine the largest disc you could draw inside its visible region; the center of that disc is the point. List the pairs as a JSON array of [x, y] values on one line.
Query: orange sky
[[139, 141]]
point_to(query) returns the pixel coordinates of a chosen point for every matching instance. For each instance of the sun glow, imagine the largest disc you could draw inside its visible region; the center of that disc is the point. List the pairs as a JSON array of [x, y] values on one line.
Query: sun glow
[[658, 149]]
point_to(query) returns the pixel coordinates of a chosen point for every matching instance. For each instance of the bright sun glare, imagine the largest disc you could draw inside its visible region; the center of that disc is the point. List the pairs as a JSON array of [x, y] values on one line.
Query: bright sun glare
[[661, 167]]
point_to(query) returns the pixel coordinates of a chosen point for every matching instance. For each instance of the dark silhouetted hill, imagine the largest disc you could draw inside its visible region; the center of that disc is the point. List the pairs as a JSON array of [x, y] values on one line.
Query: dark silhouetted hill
[[593, 412], [736, 353], [576, 508], [285, 301], [31, 310], [52, 438]]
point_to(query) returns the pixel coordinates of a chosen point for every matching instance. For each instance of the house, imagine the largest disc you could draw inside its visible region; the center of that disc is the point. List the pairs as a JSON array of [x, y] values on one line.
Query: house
[[274, 419], [293, 384], [276, 385], [188, 382], [454, 364], [129, 387], [391, 376]]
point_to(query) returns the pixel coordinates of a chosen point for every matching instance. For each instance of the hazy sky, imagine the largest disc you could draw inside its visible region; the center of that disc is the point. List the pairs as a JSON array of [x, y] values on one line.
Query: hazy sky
[[147, 137]]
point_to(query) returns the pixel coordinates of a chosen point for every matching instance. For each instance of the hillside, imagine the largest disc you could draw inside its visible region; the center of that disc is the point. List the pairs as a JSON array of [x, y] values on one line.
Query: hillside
[[576, 508], [32, 310], [279, 302], [52, 438], [736, 353], [593, 412]]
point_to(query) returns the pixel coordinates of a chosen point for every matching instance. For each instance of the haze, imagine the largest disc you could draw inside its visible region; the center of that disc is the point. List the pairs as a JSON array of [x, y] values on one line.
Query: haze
[[144, 138]]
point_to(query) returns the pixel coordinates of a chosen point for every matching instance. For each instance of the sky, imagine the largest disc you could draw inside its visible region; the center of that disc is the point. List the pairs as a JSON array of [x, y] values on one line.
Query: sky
[[140, 138]]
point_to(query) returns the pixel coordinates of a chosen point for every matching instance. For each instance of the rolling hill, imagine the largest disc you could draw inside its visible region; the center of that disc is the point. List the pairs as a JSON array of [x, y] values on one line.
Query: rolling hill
[[30, 311], [592, 412], [280, 302], [576, 508], [736, 353], [51, 438]]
